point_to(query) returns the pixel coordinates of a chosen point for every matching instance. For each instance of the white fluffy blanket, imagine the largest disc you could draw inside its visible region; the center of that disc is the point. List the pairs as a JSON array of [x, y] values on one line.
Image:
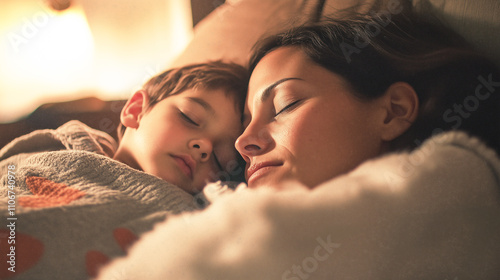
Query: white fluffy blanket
[[430, 214]]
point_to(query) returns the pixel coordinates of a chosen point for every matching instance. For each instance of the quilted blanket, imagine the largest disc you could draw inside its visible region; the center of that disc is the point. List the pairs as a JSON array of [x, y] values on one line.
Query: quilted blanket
[[69, 210]]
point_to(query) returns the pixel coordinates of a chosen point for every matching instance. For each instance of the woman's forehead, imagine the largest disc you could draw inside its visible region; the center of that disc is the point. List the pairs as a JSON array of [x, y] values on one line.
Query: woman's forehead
[[282, 63]]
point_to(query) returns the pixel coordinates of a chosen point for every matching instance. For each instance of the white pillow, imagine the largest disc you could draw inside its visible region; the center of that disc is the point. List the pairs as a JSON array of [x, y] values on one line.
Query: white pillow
[[230, 31], [361, 6]]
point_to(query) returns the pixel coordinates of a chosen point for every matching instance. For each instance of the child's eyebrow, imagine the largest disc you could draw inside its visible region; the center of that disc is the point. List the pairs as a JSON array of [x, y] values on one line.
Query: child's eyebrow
[[202, 103]]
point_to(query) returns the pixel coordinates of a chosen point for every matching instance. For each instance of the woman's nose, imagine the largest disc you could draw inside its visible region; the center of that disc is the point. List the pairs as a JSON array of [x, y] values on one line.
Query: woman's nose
[[254, 141], [202, 149]]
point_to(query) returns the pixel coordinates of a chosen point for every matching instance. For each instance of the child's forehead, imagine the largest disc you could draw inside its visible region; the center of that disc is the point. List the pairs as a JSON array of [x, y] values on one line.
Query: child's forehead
[[209, 92], [211, 95]]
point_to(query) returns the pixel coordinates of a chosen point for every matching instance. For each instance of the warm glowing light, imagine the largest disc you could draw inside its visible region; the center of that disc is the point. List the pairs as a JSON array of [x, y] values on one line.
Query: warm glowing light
[[62, 48], [143, 50], [45, 53], [98, 48]]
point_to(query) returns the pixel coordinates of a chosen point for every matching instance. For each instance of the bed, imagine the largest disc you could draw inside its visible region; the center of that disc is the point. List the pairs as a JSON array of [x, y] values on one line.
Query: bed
[[98, 220]]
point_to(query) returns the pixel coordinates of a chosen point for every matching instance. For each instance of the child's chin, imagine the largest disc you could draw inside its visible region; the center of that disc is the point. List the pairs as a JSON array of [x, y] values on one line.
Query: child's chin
[[192, 189]]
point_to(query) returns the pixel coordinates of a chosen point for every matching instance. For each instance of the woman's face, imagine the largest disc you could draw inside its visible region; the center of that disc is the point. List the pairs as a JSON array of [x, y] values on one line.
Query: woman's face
[[303, 123]]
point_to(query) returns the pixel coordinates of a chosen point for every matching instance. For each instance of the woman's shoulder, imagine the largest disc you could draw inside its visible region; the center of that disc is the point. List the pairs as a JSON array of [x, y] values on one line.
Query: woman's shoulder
[[465, 145], [448, 168], [450, 155]]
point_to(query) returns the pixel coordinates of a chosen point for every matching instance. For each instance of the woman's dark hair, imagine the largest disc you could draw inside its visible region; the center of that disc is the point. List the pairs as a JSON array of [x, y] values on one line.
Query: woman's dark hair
[[457, 87]]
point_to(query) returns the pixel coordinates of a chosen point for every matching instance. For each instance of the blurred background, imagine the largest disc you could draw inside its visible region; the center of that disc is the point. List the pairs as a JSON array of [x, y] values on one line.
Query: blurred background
[[62, 50]]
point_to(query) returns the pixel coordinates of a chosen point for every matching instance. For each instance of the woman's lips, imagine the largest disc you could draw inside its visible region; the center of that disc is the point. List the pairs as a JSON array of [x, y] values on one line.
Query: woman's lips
[[260, 169], [186, 164]]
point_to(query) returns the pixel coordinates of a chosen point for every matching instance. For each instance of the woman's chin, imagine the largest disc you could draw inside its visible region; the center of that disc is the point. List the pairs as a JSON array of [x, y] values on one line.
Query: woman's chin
[[276, 181]]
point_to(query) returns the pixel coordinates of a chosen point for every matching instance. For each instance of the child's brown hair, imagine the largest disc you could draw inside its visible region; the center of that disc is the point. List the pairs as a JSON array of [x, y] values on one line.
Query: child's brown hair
[[230, 77]]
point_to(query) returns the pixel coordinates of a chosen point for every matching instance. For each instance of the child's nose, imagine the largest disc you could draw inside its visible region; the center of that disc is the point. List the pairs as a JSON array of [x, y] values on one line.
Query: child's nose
[[202, 149]]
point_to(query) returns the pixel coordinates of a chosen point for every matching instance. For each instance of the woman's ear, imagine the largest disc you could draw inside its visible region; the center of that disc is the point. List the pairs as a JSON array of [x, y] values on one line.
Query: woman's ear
[[134, 109], [401, 107]]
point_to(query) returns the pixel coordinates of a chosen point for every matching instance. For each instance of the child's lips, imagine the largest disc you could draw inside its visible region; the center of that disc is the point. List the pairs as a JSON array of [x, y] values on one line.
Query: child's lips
[[186, 164]]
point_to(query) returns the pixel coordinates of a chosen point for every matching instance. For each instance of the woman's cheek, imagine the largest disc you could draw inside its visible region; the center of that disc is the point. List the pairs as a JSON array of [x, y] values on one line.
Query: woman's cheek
[[305, 128]]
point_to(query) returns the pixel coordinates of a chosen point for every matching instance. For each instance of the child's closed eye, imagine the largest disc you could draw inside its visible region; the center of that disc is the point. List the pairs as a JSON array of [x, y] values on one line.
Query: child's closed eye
[[188, 119]]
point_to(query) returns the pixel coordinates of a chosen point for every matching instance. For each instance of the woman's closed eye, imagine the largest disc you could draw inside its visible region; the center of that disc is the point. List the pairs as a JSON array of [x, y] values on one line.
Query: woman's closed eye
[[287, 108]]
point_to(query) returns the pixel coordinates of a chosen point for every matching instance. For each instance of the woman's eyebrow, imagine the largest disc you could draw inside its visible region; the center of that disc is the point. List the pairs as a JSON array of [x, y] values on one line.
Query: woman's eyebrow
[[267, 92], [203, 104]]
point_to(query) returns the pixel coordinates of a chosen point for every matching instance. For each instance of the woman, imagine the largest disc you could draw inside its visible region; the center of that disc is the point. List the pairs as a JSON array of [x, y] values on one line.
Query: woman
[[336, 107], [317, 100]]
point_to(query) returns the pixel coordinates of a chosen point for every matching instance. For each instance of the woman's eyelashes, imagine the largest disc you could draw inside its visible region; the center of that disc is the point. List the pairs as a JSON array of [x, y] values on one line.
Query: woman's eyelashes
[[287, 108]]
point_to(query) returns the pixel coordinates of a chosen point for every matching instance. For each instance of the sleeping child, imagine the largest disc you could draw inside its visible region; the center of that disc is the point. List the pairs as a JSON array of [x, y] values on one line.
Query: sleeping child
[[188, 138], [75, 199]]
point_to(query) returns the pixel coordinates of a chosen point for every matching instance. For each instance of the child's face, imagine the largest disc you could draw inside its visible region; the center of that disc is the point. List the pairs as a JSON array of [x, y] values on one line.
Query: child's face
[[186, 139]]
